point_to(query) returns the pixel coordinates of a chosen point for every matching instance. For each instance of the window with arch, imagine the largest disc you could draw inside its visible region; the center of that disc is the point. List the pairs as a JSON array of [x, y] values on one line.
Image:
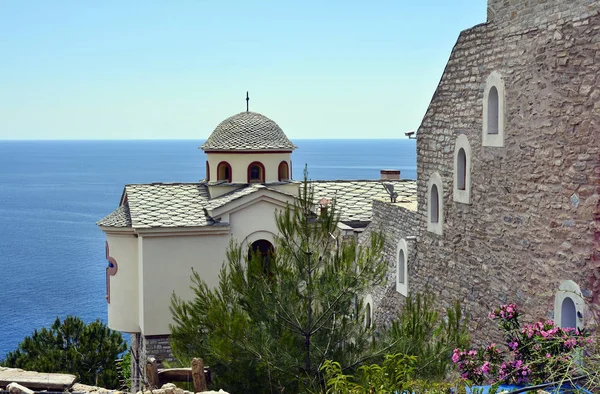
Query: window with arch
[[283, 171], [256, 172], [224, 172], [569, 306], [265, 250], [493, 111], [402, 268], [368, 308], [462, 170], [207, 171], [435, 204]]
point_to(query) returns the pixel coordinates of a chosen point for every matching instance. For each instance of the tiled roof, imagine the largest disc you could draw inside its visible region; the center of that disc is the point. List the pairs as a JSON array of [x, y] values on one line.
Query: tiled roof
[[167, 204], [354, 198], [187, 204], [248, 131], [118, 218]]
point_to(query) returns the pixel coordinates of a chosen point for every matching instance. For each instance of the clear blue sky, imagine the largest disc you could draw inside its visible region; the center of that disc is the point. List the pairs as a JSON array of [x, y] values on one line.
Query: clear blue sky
[[85, 69]]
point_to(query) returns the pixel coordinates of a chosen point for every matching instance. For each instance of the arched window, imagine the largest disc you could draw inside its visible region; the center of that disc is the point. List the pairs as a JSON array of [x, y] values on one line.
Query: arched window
[[493, 111], [283, 171], [569, 306], [256, 172], [402, 268], [368, 308], [224, 172], [266, 251], [434, 207], [462, 170], [492, 105], [435, 204], [207, 171]]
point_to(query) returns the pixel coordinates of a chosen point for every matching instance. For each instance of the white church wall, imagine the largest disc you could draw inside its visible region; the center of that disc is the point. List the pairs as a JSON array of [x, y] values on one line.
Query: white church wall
[[258, 217], [239, 163], [167, 267], [123, 305]]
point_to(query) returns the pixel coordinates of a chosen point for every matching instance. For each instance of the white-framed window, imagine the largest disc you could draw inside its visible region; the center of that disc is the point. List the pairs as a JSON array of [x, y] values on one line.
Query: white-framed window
[[569, 306], [493, 111], [462, 170], [402, 268], [368, 307], [435, 204]]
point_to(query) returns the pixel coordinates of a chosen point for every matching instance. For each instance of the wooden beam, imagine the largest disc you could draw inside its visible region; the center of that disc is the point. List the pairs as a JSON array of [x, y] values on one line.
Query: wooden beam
[[152, 373], [175, 375], [198, 375]]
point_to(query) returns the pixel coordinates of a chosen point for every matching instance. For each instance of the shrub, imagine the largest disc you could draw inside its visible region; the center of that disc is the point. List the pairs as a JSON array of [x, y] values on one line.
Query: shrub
[[536, 353]]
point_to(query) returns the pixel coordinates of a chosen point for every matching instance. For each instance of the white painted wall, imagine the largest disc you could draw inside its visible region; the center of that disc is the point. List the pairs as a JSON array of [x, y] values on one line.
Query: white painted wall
[[123, 306], [167, 267], [240, 161], [258, 217]]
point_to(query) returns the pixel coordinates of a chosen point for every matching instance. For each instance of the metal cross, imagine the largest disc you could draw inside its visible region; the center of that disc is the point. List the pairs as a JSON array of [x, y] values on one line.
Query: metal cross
[[247, 100]]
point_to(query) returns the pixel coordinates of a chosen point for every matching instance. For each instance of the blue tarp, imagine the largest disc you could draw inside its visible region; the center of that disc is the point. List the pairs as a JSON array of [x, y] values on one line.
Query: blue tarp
[[506, 387]]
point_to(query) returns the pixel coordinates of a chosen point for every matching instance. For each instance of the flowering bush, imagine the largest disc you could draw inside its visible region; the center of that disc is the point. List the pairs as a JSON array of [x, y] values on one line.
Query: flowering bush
[[536, 353]]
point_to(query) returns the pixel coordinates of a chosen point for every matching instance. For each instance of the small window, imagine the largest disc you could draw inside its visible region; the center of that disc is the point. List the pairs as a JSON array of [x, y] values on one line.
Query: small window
[[256, 172], [492, 120], [368, 308], [224, 172], [462, 170], [435, 207], [284, 172], [207, 171], [402, 268], [493, 111]]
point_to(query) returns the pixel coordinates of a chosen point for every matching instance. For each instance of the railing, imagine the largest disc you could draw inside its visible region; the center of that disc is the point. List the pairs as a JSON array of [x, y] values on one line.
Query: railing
[[199, 374]]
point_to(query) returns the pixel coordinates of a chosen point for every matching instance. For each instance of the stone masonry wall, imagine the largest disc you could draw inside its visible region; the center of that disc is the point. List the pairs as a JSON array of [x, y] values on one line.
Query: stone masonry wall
[[144, 347], [395, 222], [532, 218], [518, 15]]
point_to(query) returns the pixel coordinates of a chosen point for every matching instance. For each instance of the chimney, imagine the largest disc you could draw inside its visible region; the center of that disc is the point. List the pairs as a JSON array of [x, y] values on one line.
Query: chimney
[[390, 175]]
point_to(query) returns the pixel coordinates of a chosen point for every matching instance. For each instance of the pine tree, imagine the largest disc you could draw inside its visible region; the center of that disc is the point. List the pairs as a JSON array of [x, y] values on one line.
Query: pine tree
[[271, 322], [86, 350]]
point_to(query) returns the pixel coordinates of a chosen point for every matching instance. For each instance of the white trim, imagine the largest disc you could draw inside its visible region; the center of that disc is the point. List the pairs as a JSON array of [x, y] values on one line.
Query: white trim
[[368, 301], [494, 80], [437, 227], [257, 235], [262, 194], [402, 288], [462, 196], [569, 289]]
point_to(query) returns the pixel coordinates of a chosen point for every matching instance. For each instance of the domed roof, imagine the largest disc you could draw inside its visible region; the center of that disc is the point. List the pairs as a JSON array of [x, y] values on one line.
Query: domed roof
[[247, 131]]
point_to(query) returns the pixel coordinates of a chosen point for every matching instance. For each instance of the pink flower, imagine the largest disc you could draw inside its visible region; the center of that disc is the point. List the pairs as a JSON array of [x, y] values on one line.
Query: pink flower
[[485, 368]]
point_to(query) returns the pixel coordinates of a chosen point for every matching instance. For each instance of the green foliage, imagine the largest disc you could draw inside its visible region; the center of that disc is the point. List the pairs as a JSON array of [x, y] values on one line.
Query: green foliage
[[124, 371], [269, 326], [88, 351], [422, 332], [395, 375]]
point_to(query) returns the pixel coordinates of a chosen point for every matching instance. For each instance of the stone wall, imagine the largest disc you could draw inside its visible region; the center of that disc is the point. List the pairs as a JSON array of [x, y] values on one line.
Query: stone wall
[[532, 218], [144, 347], [396, 221], [517, 15]]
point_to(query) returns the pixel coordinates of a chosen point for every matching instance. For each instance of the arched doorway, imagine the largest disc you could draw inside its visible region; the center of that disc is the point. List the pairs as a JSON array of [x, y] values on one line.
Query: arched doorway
[[266, 251]]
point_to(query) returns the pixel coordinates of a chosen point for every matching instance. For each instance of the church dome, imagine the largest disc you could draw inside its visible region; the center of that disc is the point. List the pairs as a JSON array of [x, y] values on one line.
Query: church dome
[[247, 131]]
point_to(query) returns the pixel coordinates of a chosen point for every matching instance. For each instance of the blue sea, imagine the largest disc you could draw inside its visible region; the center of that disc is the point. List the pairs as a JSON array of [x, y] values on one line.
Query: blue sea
[[52, 193]]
